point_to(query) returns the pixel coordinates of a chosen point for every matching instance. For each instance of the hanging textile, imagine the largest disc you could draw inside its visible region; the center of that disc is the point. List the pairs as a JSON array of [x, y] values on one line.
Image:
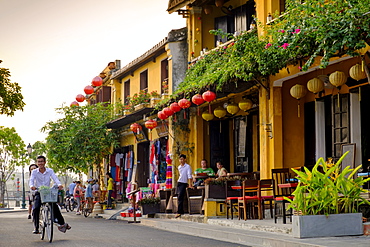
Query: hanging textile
[[169, 170]]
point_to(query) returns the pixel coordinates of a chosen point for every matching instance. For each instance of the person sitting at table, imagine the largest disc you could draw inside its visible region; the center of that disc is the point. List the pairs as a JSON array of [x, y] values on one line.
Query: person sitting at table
[[221, 172], [203, 169]]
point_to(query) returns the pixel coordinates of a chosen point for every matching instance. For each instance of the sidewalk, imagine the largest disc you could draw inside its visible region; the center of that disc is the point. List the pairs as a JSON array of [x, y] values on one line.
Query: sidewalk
[[251, 232]]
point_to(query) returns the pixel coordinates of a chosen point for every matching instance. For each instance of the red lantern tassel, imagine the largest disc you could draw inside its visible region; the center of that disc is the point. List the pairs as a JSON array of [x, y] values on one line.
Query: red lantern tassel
[[198, 111], [175, 118], [184, 114], [209, 108]]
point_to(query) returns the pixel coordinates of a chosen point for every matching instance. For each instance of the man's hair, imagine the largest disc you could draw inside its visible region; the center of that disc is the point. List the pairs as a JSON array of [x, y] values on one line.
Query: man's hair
[[41, 157], [204, 160], [182, 156]]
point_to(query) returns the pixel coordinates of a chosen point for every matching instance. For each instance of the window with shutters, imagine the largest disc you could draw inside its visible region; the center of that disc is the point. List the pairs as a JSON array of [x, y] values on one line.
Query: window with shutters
[[144, 80], [126, 92], [340, 123]]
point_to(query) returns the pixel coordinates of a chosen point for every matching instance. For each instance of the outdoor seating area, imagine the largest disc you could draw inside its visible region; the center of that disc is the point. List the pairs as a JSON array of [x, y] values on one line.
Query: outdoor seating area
[[237, 195]]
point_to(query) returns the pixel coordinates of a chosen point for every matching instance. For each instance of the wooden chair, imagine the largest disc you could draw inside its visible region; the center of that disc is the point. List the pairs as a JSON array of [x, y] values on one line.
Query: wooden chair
[[164, 196], [251, 196], [281, 176], [174, 201], [267, 185], [195, 200], [231, 197]]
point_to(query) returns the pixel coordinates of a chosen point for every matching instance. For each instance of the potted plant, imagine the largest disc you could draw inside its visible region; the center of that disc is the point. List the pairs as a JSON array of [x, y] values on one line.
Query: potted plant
[[215, 187], [140, 100], [149, 205], [155, 98], [327, 200]]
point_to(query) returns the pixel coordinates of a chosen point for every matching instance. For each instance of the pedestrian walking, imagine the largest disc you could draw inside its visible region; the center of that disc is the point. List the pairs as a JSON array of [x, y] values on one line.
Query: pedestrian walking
[[77, 194], [185, 180], [110, 189]]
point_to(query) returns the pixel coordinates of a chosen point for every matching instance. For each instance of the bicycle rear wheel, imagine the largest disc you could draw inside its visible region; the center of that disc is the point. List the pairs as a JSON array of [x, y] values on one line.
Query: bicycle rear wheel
[[49, 221]]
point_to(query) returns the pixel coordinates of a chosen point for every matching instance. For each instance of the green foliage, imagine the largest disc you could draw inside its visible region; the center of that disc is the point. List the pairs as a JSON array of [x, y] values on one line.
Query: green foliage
[[11, 98], [81, 138], [12, 154], [149, 200], [317, 28], [330, 191], [38, 148]]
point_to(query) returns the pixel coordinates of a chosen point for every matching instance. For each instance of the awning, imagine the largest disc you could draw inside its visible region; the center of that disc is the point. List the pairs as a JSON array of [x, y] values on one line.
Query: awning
[[130, 118]]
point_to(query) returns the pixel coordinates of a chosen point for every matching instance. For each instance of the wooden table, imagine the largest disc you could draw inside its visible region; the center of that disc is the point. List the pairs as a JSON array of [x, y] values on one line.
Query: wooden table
[[288, 185]]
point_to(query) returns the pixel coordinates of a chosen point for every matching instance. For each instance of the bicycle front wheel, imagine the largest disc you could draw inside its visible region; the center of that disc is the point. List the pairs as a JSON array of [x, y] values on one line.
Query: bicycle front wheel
[[49, 221], [86, 210], [42, 223]]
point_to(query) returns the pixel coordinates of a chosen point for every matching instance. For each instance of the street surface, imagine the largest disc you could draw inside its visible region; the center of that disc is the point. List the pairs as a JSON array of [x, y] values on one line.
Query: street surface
[[16, 231]]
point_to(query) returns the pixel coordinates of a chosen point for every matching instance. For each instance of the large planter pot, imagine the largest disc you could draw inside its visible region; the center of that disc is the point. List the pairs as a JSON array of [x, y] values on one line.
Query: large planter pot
[[150, 208], [310, 226], [215, 191], [154, 102], [141, 106]]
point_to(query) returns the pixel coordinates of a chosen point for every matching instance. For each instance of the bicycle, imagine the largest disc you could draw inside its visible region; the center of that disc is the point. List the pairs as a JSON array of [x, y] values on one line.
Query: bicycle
[[46, 222], [70, 203], [86, 208]]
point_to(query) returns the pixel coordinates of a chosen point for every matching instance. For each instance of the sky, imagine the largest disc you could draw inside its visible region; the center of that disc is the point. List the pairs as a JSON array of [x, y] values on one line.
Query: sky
[[55, 48]]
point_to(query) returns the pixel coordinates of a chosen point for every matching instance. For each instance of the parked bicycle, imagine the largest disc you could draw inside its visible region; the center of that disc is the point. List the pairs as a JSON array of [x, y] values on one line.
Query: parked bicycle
[[86, 208]]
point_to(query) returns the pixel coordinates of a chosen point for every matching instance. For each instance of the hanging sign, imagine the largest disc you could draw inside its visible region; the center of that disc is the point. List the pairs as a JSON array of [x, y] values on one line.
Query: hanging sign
[[140, 135], [162, 130]]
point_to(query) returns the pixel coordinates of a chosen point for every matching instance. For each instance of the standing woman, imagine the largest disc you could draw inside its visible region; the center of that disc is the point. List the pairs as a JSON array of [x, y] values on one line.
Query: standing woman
[[77, 193], [110, 189], [30, 196]]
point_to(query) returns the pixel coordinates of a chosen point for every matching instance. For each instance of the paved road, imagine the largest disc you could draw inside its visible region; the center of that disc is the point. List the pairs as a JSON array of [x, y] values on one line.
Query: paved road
[[16, 230]]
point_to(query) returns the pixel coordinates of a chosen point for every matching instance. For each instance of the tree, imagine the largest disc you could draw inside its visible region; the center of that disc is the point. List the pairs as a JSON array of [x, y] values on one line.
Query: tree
[[11, 98], [38, 148], [81, 138], [12, 154]]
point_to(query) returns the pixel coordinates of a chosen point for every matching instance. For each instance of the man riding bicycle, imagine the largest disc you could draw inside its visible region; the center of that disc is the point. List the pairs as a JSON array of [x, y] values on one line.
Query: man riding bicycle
[[41, 177]]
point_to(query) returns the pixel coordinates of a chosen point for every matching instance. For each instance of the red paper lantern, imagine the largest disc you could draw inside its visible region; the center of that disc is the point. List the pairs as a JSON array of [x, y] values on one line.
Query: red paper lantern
[[151, 124], [168, 111], [80, 98], [209, 96], [197, 99], [74, 103], [175, 107], [89, 89], [135, 127], [184, 103], [97, 81], [161, 115]]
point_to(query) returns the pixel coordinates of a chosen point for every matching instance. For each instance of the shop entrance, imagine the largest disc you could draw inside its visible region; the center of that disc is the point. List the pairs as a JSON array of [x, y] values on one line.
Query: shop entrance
[[142, 170], [219, 143]]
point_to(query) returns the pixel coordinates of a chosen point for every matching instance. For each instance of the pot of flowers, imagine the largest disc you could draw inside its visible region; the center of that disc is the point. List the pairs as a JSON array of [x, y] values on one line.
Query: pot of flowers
[[327, 200], [140, 100], [155, 98], [215, 188], [149, 205]]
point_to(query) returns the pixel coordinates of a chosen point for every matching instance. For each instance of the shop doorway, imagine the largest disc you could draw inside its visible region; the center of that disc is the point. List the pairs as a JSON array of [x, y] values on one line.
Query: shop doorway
[[219, 143], [365, 130], [142, 170]]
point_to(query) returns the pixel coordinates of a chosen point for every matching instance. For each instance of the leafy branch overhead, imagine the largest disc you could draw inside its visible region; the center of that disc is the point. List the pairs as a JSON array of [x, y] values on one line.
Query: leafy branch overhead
[[11, 98], [80, 138], [316, 29]]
